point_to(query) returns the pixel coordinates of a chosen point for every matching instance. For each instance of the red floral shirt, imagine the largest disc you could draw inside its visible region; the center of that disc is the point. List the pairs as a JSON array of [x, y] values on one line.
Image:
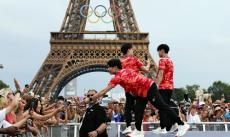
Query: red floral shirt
[[166, 65], [132, 81], [131, 62]]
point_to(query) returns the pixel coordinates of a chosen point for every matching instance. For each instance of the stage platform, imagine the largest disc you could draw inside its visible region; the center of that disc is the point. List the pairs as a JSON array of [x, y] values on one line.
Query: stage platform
[[191, 134]]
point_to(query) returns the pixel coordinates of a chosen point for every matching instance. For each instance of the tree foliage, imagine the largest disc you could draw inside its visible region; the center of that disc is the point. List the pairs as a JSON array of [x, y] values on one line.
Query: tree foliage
[[3, 85], [218, 88], [178, 94], [191, 90]]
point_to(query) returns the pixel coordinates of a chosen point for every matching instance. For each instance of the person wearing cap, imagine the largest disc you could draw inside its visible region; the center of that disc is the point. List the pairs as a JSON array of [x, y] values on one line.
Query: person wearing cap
[[218, 115]]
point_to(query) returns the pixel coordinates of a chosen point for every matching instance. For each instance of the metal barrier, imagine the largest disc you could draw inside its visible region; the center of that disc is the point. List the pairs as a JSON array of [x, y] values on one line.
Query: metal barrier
[[113, 129]]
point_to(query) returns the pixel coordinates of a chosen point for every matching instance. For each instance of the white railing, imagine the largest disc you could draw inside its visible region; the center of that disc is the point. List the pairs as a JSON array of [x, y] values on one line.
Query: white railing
[[113, 130]]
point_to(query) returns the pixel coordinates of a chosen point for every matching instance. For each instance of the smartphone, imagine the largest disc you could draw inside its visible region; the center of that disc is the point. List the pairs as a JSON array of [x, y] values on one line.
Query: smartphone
[[32, 105], [29, 122], [146, 56], [66, 104]]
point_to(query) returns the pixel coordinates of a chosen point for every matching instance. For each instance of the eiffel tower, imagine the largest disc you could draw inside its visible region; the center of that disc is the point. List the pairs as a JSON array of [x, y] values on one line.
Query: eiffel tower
[[75, 51]]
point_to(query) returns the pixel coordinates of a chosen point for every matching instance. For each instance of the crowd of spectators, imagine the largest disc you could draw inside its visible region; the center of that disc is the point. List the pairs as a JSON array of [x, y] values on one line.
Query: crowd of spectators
[[190, 111], [22, 112]]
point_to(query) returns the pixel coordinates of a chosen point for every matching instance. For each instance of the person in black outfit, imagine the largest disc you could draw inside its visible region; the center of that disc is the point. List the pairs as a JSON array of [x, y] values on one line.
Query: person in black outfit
[[94, 121]]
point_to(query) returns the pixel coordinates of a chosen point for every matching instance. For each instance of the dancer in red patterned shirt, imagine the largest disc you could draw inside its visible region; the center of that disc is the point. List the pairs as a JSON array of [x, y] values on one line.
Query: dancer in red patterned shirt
[[142, 87], [129, 61], [164, 81]]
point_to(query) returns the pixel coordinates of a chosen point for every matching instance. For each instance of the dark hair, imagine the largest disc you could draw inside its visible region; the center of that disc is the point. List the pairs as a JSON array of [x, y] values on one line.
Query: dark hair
[[31, 104], [114, 63], [26, 86], [125, 47], [165, 47], [61, 98], [92, 90]]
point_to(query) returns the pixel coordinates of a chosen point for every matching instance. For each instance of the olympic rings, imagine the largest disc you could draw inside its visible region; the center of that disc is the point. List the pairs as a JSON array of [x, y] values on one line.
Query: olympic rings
[[96, 21], [113, 11], [103, 13], [81, 11]]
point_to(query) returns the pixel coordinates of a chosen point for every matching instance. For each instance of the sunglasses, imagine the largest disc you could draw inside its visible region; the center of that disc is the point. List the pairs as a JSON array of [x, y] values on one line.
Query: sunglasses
[[90, 95]]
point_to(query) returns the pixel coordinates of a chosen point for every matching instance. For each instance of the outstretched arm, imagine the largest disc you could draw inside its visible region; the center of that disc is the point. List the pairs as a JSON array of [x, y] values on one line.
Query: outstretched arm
[[17, 85], [21, 122], [99, 94], [47, 116]]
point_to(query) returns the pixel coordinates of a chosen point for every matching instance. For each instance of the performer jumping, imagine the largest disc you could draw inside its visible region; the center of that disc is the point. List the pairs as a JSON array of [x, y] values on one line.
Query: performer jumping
[[142, 87]]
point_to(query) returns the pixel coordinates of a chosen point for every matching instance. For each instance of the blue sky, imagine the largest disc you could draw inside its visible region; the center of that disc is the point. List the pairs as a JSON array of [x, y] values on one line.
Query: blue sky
[[197, 31]]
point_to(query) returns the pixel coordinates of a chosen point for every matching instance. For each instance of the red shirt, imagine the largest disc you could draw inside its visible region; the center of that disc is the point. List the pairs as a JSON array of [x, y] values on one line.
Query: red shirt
[[132, 81], [166, 65], [10, 118], [131, 62]]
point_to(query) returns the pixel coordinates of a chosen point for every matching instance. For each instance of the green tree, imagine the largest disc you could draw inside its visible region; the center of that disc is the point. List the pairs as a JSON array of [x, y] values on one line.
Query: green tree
[[3, 85], [218, 88], [178, 94], [191, 90]]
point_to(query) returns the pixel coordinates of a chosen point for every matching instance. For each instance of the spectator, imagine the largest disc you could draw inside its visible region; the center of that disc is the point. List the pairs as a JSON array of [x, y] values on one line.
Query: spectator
[[147, 116], [97, 114], [117, 113], [227, 113], [193, 116], [218, 115], [9, 96], [205, 116], [182, 111]]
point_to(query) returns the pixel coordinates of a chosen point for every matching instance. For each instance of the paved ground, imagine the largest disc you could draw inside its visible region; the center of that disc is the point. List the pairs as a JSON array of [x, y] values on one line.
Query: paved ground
[[191, 134]]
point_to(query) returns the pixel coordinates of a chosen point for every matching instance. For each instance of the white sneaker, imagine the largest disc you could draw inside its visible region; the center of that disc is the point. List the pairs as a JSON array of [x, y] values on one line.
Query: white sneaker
[[127, 130], [182, 129], [136, 133], [174, 128], [160, 131]]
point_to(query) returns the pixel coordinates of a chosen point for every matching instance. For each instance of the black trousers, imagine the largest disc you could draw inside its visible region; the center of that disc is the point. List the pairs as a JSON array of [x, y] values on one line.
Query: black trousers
[[129, 106], [165, 120], [155, 99], [166, 95], [139, 111], [137, 104]]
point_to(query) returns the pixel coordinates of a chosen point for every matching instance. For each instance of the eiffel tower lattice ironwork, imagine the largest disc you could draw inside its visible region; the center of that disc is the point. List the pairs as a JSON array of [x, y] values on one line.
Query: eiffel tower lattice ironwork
[[75, 51]]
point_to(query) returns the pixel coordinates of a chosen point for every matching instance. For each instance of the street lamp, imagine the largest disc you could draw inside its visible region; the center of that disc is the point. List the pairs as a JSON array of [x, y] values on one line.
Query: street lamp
[[1, 66]]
